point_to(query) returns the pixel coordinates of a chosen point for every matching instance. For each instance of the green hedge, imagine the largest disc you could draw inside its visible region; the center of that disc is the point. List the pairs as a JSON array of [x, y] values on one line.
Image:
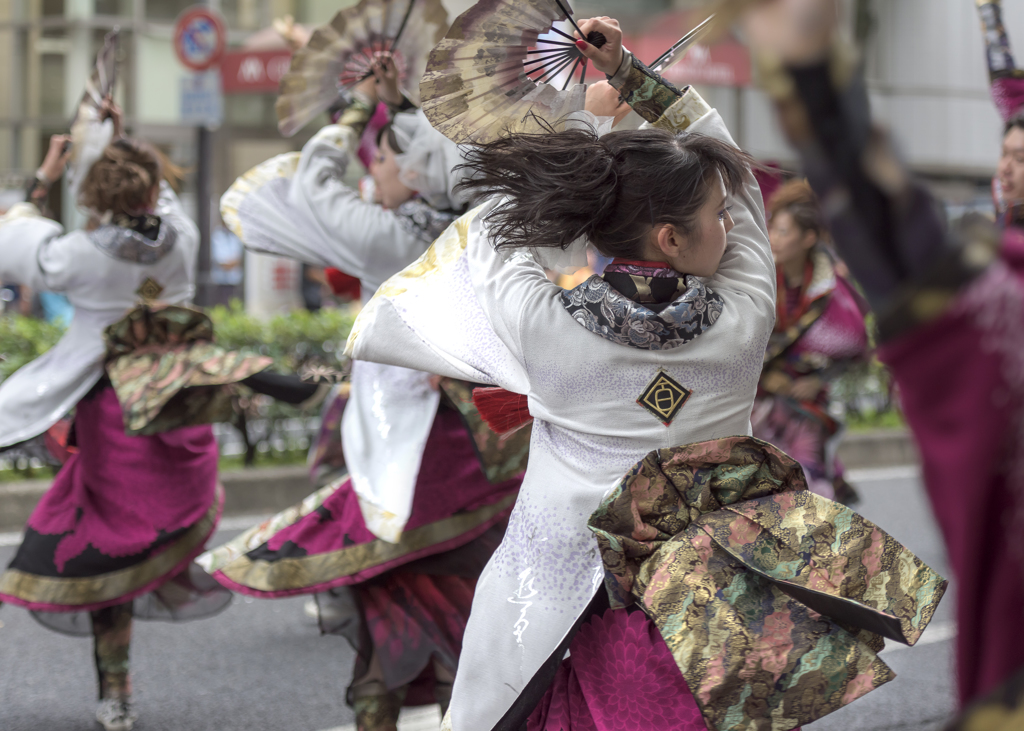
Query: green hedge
[[302, 338], [293, 340], [23, 339]]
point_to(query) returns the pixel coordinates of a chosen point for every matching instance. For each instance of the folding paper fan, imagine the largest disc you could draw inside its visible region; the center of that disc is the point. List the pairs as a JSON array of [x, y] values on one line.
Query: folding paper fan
[[491, 71], [505, 65], [102, 79], [99, 85], [338, 55]]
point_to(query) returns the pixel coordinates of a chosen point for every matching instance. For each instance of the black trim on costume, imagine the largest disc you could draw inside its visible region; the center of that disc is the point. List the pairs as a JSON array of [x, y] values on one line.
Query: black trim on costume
[[288, 549], [36, 552], [286, 387]]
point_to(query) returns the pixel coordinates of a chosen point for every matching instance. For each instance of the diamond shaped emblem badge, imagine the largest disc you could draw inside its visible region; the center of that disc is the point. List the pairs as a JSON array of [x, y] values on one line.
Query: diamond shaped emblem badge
[[150, 289], [664, 397]]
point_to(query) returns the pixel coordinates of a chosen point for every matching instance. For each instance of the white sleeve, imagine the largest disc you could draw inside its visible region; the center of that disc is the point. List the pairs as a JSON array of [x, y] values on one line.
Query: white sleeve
[[507, 282], [30, 249], [367, 241], [296, 205], [169, 208], [456, 311], [90, 137], [747, 266]]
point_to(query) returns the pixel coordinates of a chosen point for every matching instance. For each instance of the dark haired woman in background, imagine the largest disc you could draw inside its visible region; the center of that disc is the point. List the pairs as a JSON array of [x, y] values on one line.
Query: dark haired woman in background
[[116, 533], [819, 331], [663, 350]]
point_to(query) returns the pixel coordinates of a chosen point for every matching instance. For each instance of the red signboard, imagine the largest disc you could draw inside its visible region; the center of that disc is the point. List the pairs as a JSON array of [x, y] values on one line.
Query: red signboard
[[723, 64], [253, 72]]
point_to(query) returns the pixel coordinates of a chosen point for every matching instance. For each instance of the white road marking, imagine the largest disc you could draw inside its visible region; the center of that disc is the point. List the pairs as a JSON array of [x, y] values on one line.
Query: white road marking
[[877, 474], [427, 718], [936, 632], [242, 522], [10, 539]]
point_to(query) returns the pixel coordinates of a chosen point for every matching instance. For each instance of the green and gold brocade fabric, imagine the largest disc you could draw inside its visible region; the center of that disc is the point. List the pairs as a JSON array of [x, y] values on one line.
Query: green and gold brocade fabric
[[645, 91], [167, 371], [774, 601]]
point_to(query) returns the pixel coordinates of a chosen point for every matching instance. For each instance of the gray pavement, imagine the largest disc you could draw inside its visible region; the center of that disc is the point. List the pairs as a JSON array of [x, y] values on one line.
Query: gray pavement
[[923, 695], [262, 666]]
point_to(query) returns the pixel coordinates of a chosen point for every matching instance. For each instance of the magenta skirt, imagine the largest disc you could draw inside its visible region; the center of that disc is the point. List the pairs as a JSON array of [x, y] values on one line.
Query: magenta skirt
[[124, 516], [619, 676], [331, 546]]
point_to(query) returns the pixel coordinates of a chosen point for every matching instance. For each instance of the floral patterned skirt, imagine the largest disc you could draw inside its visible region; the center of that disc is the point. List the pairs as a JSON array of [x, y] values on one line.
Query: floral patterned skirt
[[619, 676]]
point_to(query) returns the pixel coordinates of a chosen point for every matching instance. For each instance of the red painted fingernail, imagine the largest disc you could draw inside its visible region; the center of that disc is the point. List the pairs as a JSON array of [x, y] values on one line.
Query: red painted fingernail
[[581, 44]]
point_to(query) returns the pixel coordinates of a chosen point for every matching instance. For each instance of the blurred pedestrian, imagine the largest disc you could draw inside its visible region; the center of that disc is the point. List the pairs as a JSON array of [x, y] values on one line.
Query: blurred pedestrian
[[819, 332], [226, 254], [950, 314]]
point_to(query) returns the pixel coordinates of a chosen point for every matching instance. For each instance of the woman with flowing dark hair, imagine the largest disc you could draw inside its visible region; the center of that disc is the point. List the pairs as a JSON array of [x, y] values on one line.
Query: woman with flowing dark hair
[[115, 536], [644, 490]]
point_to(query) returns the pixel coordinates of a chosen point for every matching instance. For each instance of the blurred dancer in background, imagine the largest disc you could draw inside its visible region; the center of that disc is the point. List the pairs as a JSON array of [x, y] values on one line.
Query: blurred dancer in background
[[1007, 82], [819, 331], [115, 535], [392, 552], [950, 312]]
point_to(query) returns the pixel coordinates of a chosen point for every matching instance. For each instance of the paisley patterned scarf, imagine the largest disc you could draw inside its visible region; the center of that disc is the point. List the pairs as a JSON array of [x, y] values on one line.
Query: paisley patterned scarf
[[420, 219], [143, 239], [644, 305]]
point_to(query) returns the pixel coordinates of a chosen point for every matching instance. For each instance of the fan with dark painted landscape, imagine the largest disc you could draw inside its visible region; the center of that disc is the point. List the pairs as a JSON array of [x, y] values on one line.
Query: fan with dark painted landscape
[[339, 54]]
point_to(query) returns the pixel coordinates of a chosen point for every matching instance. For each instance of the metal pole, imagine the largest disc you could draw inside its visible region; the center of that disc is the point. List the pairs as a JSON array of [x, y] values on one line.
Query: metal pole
[[741, 126], [204, 193]]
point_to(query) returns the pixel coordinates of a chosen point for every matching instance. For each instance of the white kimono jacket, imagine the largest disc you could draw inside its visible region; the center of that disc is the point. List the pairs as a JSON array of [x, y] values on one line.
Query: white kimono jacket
[[296, 205], [467, 311], [101, 272]]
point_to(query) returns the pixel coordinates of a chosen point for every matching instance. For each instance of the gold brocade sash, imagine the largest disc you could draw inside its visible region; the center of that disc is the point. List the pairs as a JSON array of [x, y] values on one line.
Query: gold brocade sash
[[773, 601], [167, 371]]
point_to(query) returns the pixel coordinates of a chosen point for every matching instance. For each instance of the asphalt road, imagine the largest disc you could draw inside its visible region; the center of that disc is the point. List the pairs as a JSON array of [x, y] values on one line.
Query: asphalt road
[[262, 666]]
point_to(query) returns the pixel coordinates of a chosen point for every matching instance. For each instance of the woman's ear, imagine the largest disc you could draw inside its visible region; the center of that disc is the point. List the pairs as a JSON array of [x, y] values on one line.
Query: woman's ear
[[669, 241]]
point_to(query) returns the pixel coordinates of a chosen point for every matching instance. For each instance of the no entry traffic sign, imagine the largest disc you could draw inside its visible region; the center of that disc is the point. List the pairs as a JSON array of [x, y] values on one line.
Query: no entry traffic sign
[[199, 37]]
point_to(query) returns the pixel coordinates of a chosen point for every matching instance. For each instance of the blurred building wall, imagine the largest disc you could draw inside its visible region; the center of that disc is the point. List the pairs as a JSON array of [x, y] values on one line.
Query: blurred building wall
[[924, 61]]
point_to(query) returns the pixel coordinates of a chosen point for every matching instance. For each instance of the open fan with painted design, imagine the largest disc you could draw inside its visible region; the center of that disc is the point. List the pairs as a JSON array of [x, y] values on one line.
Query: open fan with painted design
[[513, 65], [339, 54]]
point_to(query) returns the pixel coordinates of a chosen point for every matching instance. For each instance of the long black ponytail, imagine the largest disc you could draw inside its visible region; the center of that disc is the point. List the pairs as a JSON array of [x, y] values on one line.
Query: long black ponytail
[[613, 190]]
